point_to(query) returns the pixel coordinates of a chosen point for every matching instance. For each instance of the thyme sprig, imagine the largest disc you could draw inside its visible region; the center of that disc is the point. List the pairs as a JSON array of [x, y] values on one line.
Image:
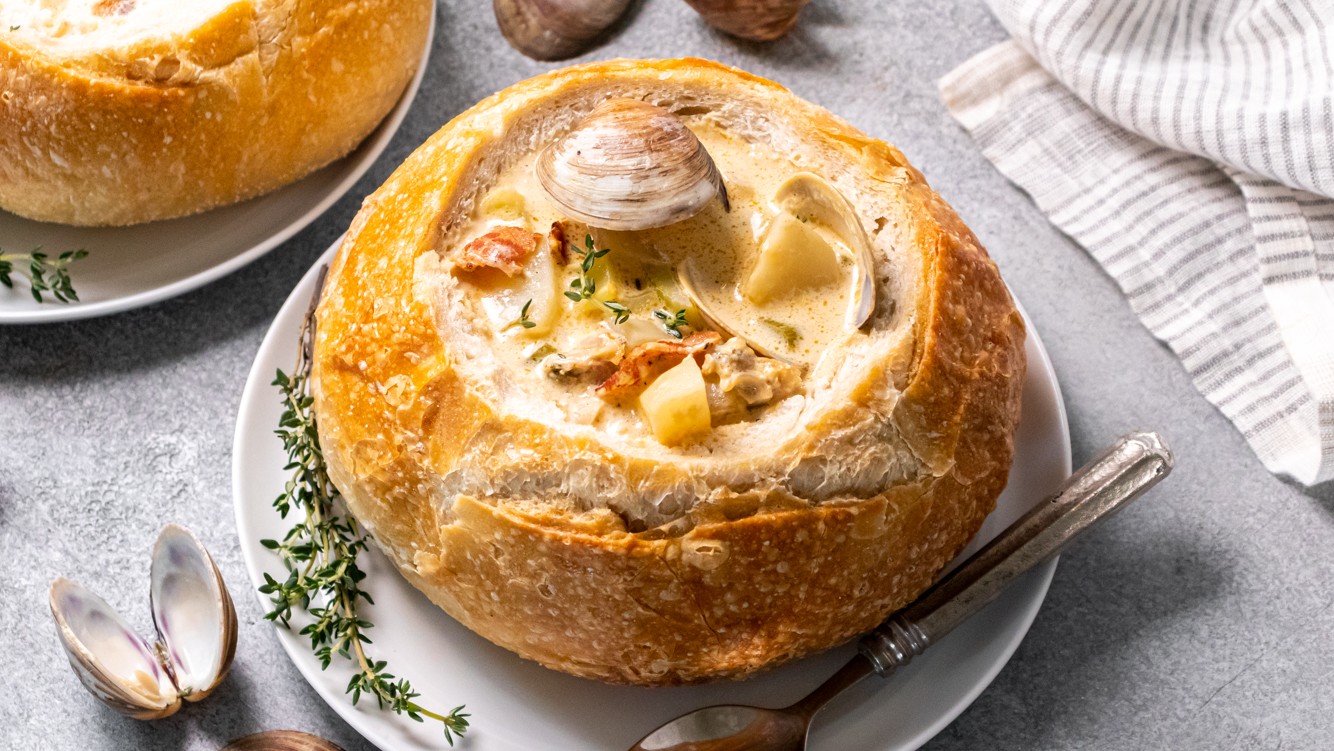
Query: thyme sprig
[[622, 312], [584, 286], [523, 319], [672, 321], [320, 554], [45, 274]]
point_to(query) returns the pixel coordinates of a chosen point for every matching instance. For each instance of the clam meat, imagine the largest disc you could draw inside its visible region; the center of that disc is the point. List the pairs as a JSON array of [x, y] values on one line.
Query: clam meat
[[196, 633], [629, 166]]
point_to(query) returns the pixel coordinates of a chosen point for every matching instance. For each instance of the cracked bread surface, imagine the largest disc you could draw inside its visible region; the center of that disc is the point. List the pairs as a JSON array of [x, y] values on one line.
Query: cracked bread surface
[[118, 112], [624, 560]]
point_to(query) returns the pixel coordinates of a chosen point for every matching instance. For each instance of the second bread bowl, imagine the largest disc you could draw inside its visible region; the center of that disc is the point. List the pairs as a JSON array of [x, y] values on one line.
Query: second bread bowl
[[118, 112]]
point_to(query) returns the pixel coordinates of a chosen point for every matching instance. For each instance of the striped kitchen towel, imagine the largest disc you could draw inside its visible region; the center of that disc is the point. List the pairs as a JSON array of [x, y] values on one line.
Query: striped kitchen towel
[[1189, 147]]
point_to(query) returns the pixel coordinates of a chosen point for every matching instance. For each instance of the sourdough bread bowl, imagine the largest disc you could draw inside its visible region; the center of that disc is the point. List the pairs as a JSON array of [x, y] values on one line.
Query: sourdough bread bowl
[[481, 415], [117, 112]]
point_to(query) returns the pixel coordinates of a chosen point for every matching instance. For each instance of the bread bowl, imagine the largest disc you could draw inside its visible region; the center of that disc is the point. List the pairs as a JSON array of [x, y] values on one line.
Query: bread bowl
[[117, 112], [520, 477]]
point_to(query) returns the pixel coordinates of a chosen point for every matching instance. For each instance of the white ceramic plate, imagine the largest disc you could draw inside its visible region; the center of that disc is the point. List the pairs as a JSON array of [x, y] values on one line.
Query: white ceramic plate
[[128, 267], [518, 705]]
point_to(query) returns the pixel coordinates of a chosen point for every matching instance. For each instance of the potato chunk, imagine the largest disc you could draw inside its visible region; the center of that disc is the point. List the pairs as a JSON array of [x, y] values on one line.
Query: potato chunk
[[676, 405], [794, 255], [503, 297]]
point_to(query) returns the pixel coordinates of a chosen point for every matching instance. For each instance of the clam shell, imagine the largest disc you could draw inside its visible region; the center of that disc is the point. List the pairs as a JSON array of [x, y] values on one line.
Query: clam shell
[[113, 662], [281, 740], [192, 612], [629, 166], [685, 277], [760, 20], [808, 195], [555, 29]]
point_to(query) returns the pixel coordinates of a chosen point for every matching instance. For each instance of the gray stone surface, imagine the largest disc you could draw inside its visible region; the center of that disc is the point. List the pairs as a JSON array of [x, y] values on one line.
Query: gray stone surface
[[1198, 619]]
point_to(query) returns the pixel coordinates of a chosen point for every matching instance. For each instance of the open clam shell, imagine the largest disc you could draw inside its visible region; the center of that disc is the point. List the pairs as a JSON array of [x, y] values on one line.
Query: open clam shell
[[629, 166], [714, 319], [113, 662], [192, 612], [812, 197], [196, 626]]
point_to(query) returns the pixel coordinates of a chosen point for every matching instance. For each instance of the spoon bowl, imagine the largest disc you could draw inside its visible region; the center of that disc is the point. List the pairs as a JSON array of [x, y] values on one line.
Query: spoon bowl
[[730, 727]]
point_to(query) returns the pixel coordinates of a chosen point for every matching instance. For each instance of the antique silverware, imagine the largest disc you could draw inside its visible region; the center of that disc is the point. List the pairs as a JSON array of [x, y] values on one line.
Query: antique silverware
[[1120, 474]]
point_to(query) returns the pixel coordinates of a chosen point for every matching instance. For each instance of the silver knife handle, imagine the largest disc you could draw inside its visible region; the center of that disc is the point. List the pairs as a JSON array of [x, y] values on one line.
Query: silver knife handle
[[1118, 475]]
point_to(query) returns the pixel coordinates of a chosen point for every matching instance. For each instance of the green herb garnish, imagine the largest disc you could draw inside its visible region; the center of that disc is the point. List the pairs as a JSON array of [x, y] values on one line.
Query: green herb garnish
[[672, 322], [789, 333], [622, 312], [45, 274], [524, 321], [583, 286], [320, 554], [541, 352]]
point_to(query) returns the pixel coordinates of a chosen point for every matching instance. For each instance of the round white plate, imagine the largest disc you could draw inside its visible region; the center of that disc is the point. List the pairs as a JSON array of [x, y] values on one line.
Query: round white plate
[[517, 705], [129, 267]]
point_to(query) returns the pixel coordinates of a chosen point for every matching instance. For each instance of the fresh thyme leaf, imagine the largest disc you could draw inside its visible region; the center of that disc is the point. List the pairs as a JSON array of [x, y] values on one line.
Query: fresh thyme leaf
[[320, 555], [541, 352], [622, 312], [672, 321], [584, 286], [45, 274], [523, 316], [789, 333], [15, 28]]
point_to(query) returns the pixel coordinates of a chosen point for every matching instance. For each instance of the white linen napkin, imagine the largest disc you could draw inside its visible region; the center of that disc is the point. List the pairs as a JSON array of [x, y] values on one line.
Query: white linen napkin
[[1189, 147]]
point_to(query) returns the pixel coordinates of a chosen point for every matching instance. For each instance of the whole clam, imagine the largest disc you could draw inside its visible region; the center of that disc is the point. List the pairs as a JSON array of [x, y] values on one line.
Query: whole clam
[[196, 633], [629, 165], [281, 740], [555, 29], [759, 20]]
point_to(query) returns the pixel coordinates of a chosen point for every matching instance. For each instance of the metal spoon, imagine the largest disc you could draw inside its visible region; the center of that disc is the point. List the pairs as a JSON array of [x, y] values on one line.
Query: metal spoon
[[1120, 474]]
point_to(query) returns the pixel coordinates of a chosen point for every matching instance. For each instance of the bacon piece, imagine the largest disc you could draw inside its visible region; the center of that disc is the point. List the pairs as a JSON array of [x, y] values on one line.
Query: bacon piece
[[505, 248], [556, 241], [650, 360]]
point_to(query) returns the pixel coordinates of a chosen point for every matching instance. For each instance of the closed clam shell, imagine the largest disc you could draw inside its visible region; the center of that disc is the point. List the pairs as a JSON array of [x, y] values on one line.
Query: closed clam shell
[[555, 29], [281, 740], [114, 663], [629, 166], [192, 612], [760, 20]]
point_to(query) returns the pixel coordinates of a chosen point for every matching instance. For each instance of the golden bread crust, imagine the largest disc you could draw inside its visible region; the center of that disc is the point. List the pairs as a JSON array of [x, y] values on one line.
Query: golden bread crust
[[258, 96], [756, 574]]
